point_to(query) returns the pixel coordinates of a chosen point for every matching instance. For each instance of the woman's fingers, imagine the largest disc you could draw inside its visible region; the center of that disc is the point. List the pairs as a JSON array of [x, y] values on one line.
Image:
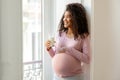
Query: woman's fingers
[[48, 44]]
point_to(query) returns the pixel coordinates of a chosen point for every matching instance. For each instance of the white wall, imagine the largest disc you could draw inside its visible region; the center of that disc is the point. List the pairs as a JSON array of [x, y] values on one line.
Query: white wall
[[10, 40], [88, 67], [106, 40], [48, 26]]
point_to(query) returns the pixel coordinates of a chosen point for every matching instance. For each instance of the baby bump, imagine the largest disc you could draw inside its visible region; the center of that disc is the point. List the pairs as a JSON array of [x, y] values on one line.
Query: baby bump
[[64, 63]]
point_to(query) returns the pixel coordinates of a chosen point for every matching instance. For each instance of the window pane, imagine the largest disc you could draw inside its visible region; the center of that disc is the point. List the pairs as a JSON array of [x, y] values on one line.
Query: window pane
[[32, 38]]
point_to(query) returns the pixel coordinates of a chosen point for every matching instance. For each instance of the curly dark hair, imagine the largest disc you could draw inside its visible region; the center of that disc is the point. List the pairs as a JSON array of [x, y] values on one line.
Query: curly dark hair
[[79, 20]]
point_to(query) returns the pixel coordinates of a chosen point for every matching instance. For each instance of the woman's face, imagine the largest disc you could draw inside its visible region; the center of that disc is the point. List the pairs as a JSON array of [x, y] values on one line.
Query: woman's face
[[67, 19]]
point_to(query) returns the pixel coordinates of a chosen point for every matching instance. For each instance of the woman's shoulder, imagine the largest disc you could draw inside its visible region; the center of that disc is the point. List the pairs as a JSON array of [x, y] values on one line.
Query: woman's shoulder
[[86, 36], [61, 34]]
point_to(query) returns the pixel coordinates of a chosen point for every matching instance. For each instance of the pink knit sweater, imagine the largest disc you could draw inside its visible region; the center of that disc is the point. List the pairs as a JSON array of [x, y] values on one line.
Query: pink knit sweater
[[68, 63]]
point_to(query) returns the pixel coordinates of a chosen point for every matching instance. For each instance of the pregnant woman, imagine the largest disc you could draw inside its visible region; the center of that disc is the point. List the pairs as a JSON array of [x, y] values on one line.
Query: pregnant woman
[[72, 45]]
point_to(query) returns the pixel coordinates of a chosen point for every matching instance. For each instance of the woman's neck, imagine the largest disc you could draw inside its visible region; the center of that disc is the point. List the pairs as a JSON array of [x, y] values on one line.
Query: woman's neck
[[70, 33]]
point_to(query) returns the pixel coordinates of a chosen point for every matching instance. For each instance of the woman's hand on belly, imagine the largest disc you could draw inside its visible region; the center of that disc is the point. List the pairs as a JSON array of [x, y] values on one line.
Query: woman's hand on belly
[[62, 50]]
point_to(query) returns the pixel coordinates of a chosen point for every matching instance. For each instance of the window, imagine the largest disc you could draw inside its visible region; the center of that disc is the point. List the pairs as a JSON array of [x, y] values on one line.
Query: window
[[32, 39]]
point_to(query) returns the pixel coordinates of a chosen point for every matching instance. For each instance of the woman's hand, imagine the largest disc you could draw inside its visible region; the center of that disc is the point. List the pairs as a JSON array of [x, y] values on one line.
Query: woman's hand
[[48, 44], [62, 50]]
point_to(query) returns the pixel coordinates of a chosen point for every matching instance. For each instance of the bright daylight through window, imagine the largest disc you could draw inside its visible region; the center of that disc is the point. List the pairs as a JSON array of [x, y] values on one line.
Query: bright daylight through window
[[32, 39]]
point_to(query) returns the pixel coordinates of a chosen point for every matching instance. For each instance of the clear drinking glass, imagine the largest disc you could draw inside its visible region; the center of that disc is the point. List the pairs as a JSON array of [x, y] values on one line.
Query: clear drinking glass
[[52, 39]]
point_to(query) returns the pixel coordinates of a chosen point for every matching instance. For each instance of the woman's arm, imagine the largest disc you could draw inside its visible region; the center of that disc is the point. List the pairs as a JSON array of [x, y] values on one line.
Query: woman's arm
[[83, 55], [57, 46]]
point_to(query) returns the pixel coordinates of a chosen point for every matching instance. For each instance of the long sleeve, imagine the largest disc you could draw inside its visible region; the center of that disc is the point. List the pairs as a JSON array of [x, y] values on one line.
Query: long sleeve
[[68, 55], [51, 52], [84, 54], [56, 47]]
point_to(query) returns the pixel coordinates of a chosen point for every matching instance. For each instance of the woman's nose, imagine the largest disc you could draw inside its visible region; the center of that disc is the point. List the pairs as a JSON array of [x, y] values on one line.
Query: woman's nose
[[64, 19]]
